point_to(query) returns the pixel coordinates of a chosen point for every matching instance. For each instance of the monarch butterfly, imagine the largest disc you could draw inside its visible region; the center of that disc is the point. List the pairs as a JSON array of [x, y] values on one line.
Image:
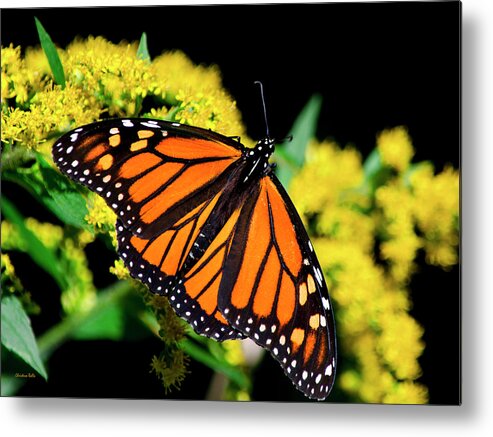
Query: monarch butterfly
[[204, 221]]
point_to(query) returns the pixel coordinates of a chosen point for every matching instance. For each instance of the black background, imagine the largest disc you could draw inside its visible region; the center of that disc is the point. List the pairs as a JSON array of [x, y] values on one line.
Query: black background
[[377, 65]]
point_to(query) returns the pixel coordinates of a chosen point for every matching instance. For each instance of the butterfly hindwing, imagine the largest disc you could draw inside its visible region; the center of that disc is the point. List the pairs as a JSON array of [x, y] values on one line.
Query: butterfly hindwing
[[274, 292]]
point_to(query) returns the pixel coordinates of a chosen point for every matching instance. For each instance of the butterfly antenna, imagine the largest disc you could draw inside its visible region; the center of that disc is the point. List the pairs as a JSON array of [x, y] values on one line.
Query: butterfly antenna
[[263, 104]]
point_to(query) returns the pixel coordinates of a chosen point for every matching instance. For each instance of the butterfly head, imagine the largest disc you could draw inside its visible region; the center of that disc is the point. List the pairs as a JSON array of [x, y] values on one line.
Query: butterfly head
[[258, 159]]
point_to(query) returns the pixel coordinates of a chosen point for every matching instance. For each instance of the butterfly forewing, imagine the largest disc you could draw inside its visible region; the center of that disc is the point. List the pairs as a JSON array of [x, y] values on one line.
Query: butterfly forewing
[[149, 172]]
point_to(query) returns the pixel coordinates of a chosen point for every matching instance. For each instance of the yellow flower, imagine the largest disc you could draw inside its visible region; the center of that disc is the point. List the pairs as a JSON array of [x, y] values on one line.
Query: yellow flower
[[397, 344], [395, 147], [100, 215], [436, 212], [19, 81], [327, 177], [401, 243], [51, 111], [120, 270], [347, 225], [198, 94], [406, 393], [112, 73], [10, 281]]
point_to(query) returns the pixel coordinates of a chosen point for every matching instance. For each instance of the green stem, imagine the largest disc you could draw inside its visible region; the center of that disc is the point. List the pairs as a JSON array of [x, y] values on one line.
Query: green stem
[[58, 334]]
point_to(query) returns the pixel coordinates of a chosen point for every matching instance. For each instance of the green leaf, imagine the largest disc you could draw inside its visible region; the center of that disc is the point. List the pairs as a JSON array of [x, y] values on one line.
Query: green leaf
[[56, 192], [18, 336], [372, 164], [61, 332], [414, 168], [10, 385], [61, 197], [107, 324], [40, 254], [375, 172], [292, 154], [51, 53], [143, 51], [117, 321]]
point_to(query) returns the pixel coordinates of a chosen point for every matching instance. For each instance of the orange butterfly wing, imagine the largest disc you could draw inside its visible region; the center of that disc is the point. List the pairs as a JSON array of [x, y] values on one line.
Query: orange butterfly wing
[[165, 183], [151, 173], [274, 292], [207, 224]]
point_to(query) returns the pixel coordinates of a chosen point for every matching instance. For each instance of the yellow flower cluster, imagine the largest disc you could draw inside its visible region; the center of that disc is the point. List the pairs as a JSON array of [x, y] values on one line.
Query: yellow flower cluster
[[201, 99], [395, 148], [102, 77], [411, 209], [437, 213], [10, 281], [80, 293], [111, 72], [18, 80]]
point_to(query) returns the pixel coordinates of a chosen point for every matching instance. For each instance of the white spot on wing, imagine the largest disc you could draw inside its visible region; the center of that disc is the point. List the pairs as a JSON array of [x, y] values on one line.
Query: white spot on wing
[[328, 370], [149, 124], [325, 303]]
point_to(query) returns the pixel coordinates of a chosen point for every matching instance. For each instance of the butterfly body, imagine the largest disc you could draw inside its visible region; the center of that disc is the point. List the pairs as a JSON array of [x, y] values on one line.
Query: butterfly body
[[204, 221]]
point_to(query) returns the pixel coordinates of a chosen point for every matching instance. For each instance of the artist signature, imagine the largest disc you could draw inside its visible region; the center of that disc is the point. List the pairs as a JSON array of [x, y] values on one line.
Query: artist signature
[[25, 375]]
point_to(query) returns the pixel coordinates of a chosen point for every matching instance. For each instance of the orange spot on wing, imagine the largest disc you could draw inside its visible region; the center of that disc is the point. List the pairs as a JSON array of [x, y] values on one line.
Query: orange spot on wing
[[311, 284], [284, 230], [266, 291], [191, 179], [322, 350], [138, 164], [142, 134], [297, 337], [314, 321], [149, 183], [309, 346], [138, 243], [285, 304], [105, 162], [114, 140], [138, 145], [258, 241], [95, 152], [186, 148], [303, 293]]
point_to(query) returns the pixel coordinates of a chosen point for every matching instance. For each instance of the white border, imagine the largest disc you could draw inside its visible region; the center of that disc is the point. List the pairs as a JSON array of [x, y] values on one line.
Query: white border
[[61, 417]]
